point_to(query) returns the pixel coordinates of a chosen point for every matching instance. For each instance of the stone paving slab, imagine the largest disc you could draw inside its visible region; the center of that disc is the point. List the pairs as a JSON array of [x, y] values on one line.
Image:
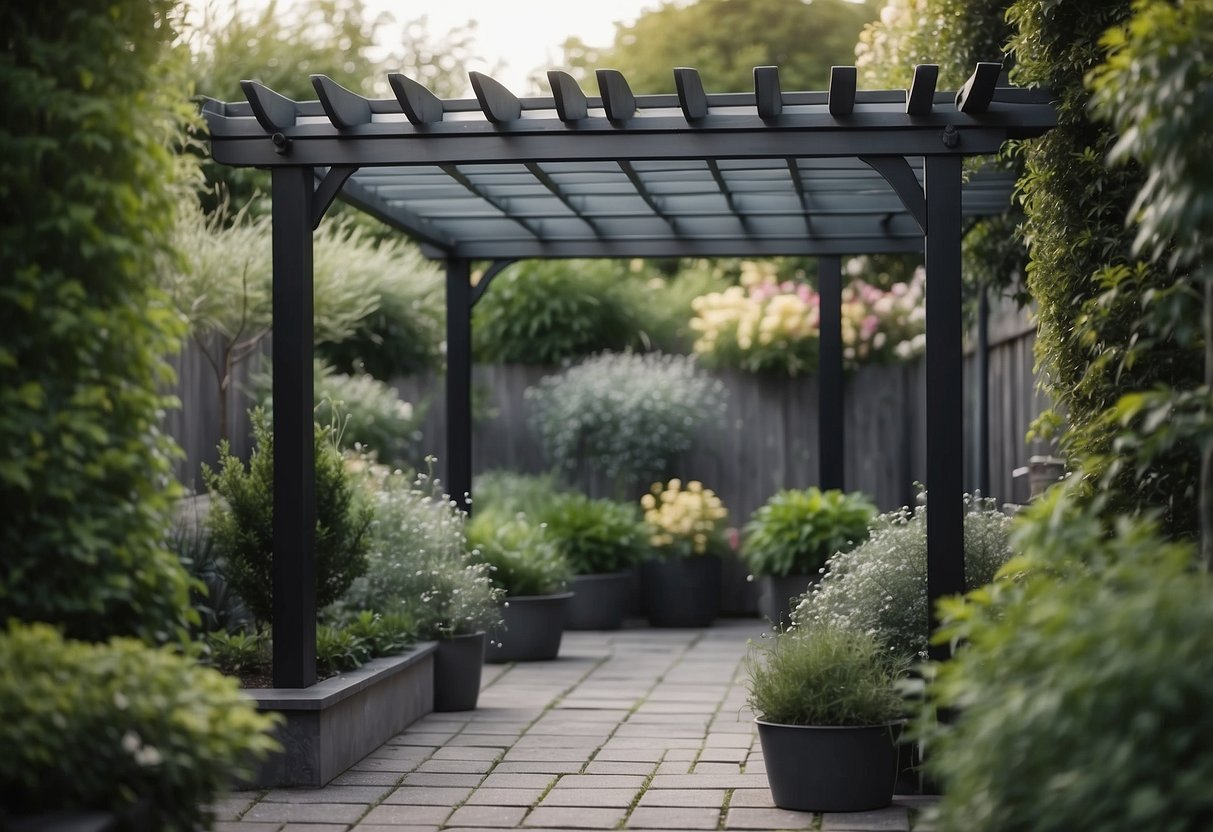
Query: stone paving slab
[[637, 730]]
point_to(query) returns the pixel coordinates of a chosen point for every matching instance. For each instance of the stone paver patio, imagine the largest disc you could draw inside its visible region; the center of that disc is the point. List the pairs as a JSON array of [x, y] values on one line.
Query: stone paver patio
[[637, 729]]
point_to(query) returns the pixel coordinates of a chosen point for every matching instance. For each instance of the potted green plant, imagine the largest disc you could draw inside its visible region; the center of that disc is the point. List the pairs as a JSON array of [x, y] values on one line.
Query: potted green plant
[[680, 582], [789, 538], [602, 540], [420, 564], [829, 711], [529, 568]]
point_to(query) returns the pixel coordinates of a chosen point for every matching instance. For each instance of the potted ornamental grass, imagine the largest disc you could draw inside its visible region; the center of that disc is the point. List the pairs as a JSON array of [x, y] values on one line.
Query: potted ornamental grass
[[528, 567], [680, 582], [420, 564], [602, 540], [789, 538], [829, 715]]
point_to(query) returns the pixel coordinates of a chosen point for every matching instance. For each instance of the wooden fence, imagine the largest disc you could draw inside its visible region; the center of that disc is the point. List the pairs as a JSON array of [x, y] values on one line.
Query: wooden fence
[[767, 441]]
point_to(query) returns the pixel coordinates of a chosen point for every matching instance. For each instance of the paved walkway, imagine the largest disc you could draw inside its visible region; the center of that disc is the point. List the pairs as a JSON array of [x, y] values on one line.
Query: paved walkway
[[637, 729]]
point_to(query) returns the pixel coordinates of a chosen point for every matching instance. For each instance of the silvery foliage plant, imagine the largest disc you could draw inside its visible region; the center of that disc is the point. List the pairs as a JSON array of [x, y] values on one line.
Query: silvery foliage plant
[[880, 587], [626, 415]]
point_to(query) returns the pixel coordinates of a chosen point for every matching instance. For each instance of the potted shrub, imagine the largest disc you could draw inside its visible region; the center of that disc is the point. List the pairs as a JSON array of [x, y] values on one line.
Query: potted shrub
[[829, 716], [601, 540], [529, 568], [680, 582], [420, 564], [788, 539]]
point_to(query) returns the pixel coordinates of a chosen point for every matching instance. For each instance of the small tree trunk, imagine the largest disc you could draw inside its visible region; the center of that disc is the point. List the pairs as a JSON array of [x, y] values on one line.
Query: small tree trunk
[[1206, 456]]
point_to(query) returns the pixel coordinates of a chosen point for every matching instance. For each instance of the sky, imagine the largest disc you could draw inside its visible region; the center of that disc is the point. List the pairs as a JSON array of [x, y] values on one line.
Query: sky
[[519, 34]]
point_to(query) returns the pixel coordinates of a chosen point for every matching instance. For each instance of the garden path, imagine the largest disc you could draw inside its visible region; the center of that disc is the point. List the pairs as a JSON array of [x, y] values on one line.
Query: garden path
[[637, 729]]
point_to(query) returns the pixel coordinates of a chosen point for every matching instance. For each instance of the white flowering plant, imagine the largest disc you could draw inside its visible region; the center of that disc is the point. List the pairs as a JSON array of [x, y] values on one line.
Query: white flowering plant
[[420, 562], [768, 325], [684, 521], [624, 415], [881, 585]]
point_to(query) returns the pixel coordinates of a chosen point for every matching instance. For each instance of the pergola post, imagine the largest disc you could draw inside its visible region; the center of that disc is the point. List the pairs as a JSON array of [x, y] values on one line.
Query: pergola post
[[830, 427], [459, 380], [982, 466], [945, 400], [294, 524]]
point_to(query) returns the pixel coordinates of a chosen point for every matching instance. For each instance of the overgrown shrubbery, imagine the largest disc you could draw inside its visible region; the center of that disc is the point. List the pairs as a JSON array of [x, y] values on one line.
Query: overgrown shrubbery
[[242, 524], [1087, 677], [546, 312], [93, 98], [104, 726], [627, 416], [880, 586]]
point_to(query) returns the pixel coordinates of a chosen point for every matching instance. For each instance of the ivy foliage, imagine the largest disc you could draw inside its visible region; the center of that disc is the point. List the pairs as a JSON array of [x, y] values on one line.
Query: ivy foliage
[[93, 100], [1109, 323]]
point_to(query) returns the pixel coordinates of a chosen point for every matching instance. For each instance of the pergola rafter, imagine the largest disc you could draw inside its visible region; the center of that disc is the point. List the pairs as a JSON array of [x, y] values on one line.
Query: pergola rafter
[[500, 177]]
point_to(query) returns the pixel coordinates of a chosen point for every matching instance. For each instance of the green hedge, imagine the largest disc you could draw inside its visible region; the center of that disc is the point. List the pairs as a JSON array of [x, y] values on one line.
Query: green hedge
[[91, 103]]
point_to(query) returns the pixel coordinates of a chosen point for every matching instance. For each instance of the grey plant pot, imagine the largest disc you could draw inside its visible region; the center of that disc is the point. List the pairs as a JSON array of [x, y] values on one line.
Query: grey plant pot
[[600, 601], [776, 592], [458, 662], [681, 592], [826, 768], [532, 629]]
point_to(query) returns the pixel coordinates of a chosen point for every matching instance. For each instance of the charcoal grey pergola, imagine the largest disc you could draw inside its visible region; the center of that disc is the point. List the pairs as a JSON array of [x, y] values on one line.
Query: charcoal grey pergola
[[501, 178]]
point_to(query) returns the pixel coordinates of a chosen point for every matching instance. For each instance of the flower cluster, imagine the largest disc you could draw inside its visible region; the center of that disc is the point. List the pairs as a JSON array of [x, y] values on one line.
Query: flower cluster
[[767, 325], [683, 522]]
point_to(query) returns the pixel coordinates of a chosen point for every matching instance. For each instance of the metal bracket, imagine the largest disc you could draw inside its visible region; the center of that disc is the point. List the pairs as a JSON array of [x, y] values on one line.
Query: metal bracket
[[495, 268]]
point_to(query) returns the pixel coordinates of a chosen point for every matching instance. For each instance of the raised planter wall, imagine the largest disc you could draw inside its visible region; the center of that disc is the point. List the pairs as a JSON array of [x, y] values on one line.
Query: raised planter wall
[[335, 723]]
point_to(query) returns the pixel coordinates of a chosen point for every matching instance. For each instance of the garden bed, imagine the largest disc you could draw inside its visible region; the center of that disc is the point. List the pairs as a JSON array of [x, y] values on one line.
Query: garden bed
[[335, 723]]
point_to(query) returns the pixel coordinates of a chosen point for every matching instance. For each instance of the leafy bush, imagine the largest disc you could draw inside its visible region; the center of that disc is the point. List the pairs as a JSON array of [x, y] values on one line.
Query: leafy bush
[[795, 532], [238, 653], [664, 304], [1080, 695], [94, 93], [522, 559], [511, 492], [594, 536], [404, 334], [624, 415], [216, 605], [242, 523], [880, 586], [549, 311], [103, 726], [370, 413], [420, 564], [824, 675], [368, 635], [684, 522]]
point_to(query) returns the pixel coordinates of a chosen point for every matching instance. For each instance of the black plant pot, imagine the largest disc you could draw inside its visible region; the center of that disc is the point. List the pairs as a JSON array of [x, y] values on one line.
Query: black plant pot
[[532, 628], [599, 601], [681, 592], [776, 592], [820, 768], [457, 665]]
